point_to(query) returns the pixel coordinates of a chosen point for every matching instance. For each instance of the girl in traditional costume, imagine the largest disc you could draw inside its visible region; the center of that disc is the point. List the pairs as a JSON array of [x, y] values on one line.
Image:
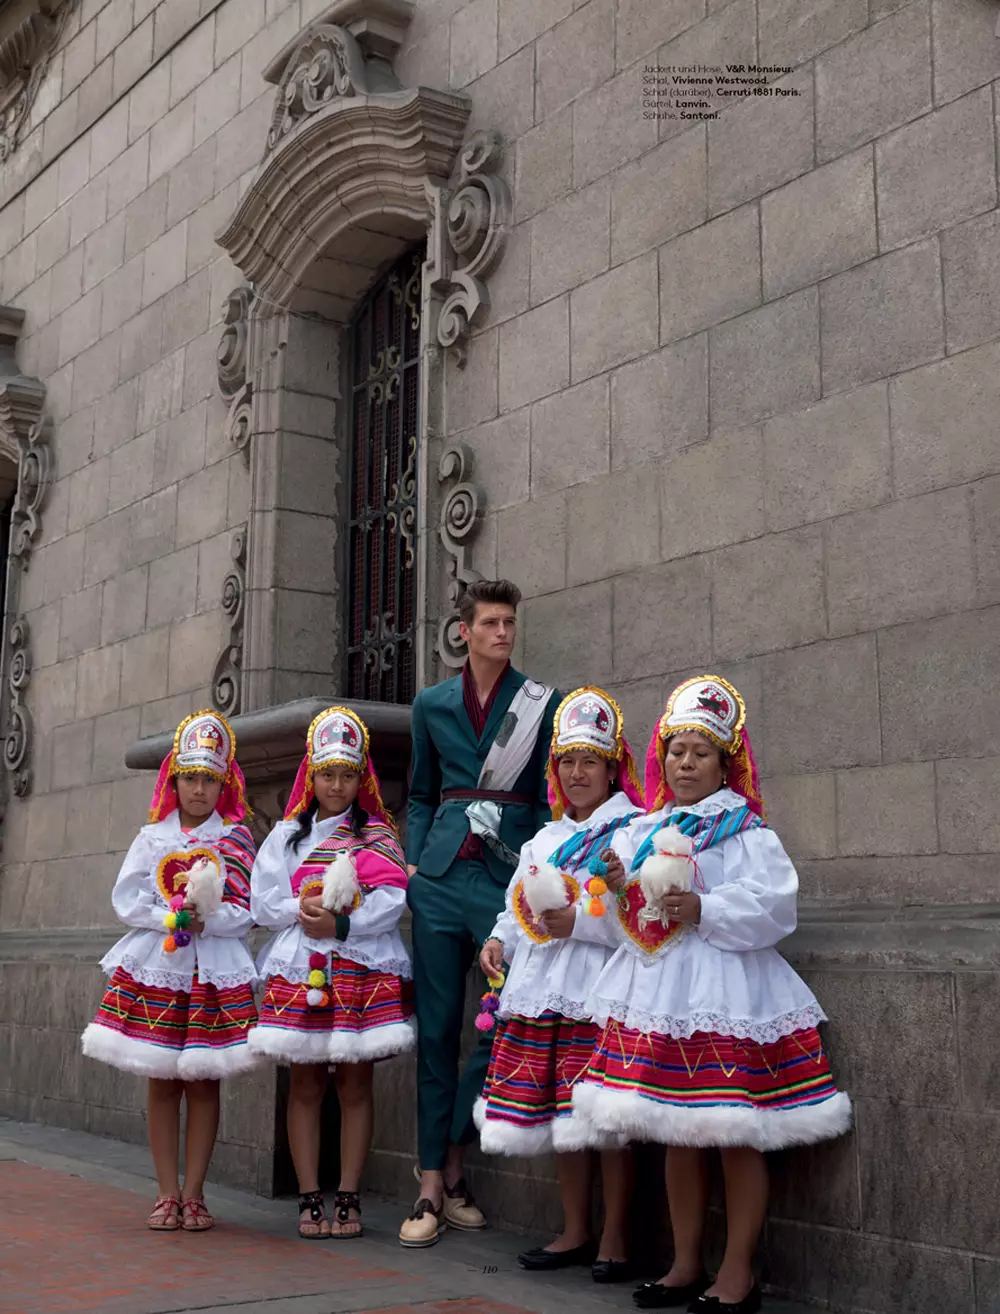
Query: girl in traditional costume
[[557, 937], [709, 1037], [330, 879], [179, 1006]]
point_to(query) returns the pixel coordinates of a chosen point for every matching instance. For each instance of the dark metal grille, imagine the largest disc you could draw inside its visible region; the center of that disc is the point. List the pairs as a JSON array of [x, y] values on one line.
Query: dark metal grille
[[382, 489]]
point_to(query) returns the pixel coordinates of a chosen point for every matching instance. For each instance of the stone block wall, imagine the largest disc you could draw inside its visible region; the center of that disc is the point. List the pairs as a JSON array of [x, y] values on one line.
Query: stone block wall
[[732, 406], [151, 119]]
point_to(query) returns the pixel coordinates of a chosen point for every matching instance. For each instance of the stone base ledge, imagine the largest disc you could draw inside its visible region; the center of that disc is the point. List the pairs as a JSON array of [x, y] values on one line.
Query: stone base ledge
[[869, 938]]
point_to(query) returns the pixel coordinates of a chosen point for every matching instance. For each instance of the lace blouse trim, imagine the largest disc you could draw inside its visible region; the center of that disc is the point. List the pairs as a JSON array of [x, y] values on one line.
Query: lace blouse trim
[[524, 1003], [155, 976], [764, 1032]]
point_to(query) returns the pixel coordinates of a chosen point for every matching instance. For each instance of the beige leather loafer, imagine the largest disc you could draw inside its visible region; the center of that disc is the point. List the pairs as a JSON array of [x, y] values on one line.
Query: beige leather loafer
[[460, 1210], [423, 1227]]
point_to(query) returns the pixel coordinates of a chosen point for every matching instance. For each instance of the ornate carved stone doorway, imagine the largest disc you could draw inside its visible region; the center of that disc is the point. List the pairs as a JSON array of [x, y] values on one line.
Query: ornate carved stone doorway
[[358, 171]]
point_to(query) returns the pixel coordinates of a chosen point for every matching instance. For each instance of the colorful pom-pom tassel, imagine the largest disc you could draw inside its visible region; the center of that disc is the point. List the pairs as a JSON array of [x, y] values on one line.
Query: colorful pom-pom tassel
[[595, 908], [316, 995], [170, 921], [169, 945], [488, 1004], [597, 867], [182, 939], [597, 886], [177, 902], [183, 919]]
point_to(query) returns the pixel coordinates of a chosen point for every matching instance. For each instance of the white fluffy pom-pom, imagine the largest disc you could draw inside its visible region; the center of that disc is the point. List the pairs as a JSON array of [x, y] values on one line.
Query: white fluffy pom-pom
[[204, 887], [340, 884], [544, 889], [314, 998], [667, 870], [672, 841]]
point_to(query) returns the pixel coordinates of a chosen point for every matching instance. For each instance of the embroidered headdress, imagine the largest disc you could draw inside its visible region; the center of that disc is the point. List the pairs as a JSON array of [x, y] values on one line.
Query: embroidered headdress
[[337, 737], [589, 719], [712, 707], [203, 742]]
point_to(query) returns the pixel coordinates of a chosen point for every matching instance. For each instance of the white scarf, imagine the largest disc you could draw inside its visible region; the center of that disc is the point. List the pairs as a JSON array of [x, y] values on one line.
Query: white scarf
[[509, 754]]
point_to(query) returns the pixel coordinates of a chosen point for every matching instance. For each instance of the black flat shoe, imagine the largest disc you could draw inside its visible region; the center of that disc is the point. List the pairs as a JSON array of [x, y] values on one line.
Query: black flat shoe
[[750, 1304], [610, 1270], [654, 1295], [545, 1261]]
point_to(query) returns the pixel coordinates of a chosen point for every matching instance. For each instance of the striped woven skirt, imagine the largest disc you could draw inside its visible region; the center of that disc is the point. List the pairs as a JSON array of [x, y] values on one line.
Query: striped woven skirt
[[711, 1089], [527, 1101], [159, 1032], [369, 1015]]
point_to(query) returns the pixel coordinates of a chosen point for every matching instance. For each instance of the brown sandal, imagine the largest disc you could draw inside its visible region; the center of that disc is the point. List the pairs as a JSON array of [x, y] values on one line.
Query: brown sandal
[[344, 1202], [166, 1214], [195, 1217], [313, 1201]]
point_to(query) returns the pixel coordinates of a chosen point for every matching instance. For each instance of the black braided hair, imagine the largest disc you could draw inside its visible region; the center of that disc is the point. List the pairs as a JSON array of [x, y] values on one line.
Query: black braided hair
[[359, 820], [304, 828]]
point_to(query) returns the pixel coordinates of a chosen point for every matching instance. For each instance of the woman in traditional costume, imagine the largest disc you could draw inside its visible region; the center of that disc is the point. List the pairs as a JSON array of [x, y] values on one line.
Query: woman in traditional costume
[[179, 1005], [709, 1037], [557, 938], [330, 879]]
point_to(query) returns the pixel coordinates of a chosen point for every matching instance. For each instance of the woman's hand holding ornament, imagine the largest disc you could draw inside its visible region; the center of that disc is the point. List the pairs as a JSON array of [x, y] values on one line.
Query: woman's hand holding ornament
[[559, 922], [615, 876], [683, 907], [491, 959]]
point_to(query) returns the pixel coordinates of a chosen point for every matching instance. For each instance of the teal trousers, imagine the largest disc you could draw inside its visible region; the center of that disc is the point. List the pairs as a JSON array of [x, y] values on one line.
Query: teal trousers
[[452, 915]]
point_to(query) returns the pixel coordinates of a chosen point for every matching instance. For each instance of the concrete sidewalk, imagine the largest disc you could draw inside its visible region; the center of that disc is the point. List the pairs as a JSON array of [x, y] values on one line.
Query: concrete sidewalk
[[73, 1239]]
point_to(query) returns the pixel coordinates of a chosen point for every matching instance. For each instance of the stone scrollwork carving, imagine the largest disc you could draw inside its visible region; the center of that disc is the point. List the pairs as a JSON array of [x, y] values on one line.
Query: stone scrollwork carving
[[17, 741], [234, 383], [25, 52], [25, 435], [472, 231], [328, 63], [232, 353], [461, 517], [227, 679], [33, 478]]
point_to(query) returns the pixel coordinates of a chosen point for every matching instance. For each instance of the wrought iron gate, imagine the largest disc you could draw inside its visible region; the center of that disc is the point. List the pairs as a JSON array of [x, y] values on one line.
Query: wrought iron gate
[[382, 489]]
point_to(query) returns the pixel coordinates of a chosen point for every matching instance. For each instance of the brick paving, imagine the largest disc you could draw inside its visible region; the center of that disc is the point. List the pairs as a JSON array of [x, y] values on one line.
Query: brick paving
[[106, 1262], [99, 1257], [74, 1241]]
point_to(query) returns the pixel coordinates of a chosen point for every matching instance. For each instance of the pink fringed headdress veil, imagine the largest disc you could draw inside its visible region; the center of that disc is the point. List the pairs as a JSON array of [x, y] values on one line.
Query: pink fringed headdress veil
[[370, 792], [575, 726], [742, 775], [232, 805]]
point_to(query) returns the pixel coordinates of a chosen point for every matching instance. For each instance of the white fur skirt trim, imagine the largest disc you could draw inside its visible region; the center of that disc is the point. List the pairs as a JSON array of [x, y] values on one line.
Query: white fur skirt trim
[[282, 1045], [563, 1135], [136, 1056], [641, 1119]]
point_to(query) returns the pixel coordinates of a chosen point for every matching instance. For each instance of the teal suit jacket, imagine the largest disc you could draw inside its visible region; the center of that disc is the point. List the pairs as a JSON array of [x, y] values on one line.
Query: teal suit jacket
[[447, 755]]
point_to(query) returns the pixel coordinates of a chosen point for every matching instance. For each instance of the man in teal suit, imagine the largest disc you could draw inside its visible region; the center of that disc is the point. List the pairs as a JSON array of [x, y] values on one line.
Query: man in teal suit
[[478, 792]]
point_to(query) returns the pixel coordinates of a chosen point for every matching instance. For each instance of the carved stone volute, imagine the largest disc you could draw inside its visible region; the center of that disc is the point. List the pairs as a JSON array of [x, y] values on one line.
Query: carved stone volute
[[25, 441], [29, 34]]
